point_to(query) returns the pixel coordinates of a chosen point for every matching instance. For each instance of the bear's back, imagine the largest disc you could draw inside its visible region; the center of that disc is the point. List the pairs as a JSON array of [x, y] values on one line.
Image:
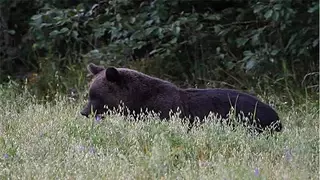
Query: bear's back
[[201, 101]]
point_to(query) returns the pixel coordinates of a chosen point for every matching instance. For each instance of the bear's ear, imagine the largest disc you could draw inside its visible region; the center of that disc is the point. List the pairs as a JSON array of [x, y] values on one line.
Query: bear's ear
[[94, 69], [112, 74]]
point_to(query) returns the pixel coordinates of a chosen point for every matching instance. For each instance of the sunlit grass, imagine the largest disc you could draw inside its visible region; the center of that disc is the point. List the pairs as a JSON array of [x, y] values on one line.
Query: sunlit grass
[[52, 140]]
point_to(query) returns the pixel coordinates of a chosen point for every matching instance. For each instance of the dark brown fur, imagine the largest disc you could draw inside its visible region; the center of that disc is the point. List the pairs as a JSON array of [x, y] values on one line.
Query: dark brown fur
[[139, 91]]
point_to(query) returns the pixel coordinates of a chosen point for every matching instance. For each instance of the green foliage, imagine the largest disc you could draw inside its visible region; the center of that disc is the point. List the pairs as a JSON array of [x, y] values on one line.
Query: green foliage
[[13, 36], [271, 45]]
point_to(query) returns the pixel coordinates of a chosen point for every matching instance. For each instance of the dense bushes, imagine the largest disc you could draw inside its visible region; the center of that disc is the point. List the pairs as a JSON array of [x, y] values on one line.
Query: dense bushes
[[235, 43]]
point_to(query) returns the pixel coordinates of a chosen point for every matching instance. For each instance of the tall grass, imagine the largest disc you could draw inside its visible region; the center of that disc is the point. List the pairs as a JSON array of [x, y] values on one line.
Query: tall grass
[[52, 140]]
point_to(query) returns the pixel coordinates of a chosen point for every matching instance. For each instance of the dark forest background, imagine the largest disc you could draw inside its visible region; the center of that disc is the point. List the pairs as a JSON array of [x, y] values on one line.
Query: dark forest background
[[269, 46]]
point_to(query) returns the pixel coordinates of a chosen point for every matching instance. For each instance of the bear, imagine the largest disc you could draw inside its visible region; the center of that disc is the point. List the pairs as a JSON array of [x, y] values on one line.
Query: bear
[[139, 92]]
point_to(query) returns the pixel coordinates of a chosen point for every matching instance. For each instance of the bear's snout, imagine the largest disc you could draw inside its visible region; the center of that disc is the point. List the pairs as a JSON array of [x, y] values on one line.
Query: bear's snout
[[91, 108], [84, 113]]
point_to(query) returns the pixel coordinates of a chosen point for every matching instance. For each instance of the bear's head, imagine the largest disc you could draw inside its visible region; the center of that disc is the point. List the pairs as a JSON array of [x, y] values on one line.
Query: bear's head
[[106, 89]]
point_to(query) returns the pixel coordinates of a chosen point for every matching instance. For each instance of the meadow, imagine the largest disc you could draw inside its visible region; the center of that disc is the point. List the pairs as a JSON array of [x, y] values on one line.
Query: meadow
[[51, 140]]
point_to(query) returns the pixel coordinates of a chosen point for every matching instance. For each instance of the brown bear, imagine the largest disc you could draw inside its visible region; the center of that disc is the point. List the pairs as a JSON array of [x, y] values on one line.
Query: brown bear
[[138, 92]]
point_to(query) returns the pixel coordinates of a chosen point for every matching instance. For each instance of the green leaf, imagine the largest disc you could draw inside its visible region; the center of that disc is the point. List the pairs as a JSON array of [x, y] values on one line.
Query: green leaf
[[54, 33], [225, 31], [258, 8], [177, 30], [160, 33], [173, 41], [94, 54], [268, 14], [99, 32], [250, 64], [274, 52], [230, 65], [75, 25], [150, 30], [136, 35], [37, 20], [132, 20], [218, 50], [314, 8], [11, 32], [241, 41], [277, 7], [35, 17], [63, 30], [199, 27], [148, 23], [255, 39], [247, 53], [80, 7], [246, 58], [156, 51], [75, 34], [315, 42], [118, 17], [128, 26], [302, 51], [35, 46], [217, 29], [276, 15], [166, 45], [45, 25], [292, 38], [213, 17]]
